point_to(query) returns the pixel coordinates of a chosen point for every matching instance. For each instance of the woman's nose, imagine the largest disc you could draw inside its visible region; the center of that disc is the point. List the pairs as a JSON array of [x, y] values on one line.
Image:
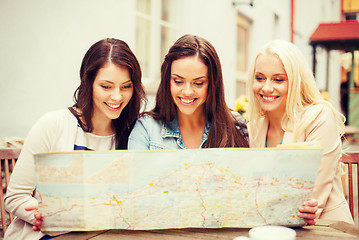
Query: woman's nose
[[188, 90], [116, 95], [268, 87]]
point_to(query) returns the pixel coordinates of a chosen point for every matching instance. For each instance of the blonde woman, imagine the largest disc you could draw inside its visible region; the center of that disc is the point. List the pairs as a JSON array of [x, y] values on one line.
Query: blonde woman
[[285, 106]]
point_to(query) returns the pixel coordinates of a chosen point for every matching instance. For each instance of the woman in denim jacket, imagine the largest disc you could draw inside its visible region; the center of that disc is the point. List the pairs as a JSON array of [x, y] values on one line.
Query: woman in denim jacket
[[190, 110]]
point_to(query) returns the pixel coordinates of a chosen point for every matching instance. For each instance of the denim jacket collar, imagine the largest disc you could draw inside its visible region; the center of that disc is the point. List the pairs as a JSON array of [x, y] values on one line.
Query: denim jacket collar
[[173, 130]]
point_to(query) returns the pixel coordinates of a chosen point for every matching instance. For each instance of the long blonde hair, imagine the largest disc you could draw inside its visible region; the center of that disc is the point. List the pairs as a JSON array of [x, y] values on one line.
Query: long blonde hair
[[302, 91]]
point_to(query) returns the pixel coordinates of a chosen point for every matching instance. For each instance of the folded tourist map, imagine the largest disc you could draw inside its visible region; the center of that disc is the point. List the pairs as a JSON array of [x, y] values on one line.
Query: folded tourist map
[[202, 188]]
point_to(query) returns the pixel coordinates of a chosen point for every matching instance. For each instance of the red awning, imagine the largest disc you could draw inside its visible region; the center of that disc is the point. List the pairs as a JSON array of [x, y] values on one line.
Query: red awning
[[342, 35]]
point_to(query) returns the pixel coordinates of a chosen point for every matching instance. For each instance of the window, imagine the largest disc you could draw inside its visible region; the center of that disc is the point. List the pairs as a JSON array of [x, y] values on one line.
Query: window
[[243, 25], [156, 25]]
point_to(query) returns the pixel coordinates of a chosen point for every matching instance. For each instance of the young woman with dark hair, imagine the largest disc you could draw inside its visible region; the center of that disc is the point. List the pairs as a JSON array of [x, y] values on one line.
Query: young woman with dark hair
[[107, 105], [118, 53], [190, 110]]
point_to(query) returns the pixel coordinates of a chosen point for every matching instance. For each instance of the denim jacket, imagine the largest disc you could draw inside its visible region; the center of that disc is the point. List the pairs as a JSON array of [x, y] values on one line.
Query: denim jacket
[[151, 134]]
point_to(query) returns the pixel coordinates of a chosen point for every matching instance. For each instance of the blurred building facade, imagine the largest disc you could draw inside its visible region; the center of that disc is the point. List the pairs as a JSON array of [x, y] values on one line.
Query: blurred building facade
[[342, 36], [42, 44]]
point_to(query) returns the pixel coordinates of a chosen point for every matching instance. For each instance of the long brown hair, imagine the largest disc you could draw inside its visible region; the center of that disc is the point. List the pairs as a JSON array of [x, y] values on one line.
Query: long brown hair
[[117, 52], [223, 131]]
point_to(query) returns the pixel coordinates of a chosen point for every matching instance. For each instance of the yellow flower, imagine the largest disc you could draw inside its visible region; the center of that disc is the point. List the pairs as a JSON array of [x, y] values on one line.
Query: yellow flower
[[325, 95], [241, 105]]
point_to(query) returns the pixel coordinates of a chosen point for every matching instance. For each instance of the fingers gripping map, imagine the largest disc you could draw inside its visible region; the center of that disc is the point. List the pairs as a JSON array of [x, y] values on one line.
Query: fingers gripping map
[[204, 188]]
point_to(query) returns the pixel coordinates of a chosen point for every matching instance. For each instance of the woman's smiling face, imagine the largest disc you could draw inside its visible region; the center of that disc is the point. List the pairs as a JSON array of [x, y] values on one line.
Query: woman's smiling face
[[189, 85], [112, 90], [270, 85]]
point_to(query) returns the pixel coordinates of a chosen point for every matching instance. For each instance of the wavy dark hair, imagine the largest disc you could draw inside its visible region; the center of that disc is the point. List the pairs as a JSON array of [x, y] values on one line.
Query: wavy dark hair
[[117, 52], [223, 131]]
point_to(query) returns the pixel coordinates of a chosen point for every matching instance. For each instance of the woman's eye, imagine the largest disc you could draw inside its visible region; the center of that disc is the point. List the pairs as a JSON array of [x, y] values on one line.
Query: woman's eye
[[279, 79], [128, 86], [198, 83], [105, 86], [259, 78], [177, 81]]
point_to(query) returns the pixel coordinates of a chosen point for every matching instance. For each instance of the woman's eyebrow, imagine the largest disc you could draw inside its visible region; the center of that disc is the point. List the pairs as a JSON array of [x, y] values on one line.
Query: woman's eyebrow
[[179, 76], [128, 81], [198, 78], [176, 75]]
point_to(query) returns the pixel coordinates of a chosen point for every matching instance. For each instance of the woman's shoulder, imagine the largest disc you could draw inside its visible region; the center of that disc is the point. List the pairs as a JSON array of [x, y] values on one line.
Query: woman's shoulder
[[49, 128], [321, 116], [318, 110], [148, 121], [56, 121], [146, 128], [57, 116], [147, 118]]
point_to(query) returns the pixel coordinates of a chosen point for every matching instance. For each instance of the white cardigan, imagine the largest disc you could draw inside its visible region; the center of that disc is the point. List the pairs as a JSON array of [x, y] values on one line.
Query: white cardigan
[[55, 131]]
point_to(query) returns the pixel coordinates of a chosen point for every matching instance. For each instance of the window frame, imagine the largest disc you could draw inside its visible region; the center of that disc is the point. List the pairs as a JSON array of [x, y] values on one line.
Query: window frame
[[244, 24], [151, 79]]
